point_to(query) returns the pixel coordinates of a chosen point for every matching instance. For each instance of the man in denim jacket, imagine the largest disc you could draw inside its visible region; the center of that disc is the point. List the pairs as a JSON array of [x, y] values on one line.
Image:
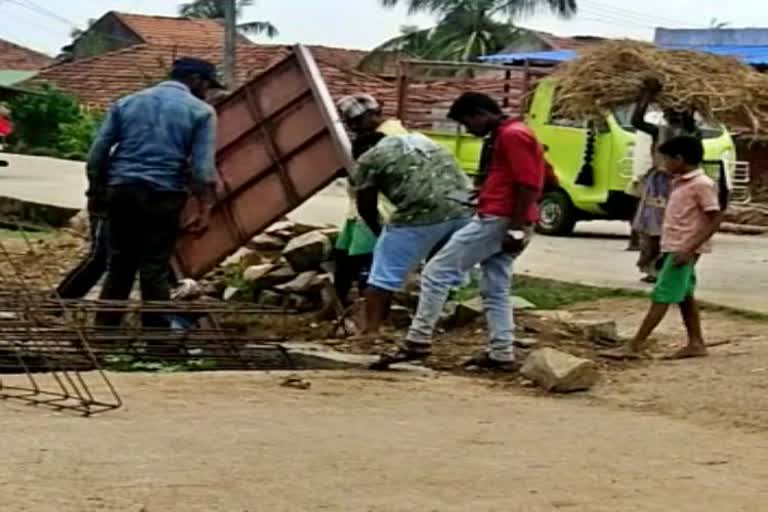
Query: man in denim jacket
[[153, 148]]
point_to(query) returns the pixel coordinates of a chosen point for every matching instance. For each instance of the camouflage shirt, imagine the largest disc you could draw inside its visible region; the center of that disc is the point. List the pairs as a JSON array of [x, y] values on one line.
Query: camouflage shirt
[[421, 179]]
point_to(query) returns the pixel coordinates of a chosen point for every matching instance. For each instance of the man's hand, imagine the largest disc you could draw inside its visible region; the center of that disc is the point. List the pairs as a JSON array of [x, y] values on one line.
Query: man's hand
[[201, 220], [681, 259], [97, 202], [515, 241], [652, 86], [204, 197]]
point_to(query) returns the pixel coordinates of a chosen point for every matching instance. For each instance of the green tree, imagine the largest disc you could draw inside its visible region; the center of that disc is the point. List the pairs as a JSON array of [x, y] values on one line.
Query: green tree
[[214, 9], [53, 123], [467, 29]]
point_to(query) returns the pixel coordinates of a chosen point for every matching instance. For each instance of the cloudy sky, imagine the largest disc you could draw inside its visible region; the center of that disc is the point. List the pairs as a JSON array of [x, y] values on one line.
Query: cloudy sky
[[46, 24]]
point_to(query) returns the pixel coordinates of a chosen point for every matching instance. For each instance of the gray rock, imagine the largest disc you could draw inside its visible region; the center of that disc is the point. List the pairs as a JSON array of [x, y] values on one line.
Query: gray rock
[[313, 356], [270, 299], [526, 342], [266, 243], [255, 272], [603, 333], [230, 292], [280, 275], [560, 372], [469, 310], [554, 315], [518, 303], [303, 283], [244, 257], [308, 251], [300, 229], [280, 227], [300, 303]]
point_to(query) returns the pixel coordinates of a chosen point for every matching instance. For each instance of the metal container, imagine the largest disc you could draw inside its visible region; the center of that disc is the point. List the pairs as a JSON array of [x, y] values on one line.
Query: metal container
[[280, 141]]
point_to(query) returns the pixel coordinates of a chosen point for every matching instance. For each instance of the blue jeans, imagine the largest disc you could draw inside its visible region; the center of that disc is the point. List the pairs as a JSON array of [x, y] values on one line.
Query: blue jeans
[[400, 249], [478, 242]]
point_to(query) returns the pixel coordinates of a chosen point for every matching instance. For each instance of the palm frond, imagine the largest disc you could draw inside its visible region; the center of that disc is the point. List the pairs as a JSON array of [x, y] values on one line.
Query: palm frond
[[258, 28]]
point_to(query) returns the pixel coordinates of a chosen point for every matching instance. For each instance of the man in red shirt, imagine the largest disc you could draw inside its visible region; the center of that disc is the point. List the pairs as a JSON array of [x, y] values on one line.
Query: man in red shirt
[[510, 182]]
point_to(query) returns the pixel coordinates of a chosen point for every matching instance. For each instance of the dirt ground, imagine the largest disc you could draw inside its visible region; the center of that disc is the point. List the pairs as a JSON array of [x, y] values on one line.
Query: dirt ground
[[682, 436]]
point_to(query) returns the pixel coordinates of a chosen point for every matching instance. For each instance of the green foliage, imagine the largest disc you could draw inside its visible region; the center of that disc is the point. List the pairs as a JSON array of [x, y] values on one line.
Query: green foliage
[[52, 123], [466, 29], [549, 293], [214, 9]]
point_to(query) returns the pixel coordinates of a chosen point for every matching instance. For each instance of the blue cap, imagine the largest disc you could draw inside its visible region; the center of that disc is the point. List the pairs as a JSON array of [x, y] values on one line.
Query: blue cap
[[192, 66]]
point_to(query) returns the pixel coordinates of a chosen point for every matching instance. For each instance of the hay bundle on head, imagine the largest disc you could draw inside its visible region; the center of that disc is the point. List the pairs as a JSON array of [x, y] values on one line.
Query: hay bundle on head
[[613, 74]]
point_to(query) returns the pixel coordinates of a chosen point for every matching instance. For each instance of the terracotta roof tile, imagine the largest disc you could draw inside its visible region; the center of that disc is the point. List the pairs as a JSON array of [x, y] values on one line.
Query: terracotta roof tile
[[342, 57], [569, 43], [15, 57], [166, 30], [99, 81]]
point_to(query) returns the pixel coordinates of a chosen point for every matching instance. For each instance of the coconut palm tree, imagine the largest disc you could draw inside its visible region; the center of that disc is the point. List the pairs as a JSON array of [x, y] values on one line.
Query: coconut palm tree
[[467, 29], [214, 9]]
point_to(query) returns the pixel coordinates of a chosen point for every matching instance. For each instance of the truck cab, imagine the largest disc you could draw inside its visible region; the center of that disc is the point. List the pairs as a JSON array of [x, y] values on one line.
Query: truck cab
[[593, 161]]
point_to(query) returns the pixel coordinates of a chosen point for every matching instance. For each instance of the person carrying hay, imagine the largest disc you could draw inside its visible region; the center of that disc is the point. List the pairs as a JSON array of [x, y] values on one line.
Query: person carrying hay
[[654, 186], [693, 215]]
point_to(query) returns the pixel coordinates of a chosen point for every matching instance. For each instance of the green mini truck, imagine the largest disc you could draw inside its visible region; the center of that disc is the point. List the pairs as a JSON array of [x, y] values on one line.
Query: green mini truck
[[594, 162]]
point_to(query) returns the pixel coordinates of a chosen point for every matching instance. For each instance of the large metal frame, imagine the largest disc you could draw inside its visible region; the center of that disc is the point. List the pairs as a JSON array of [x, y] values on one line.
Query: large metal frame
[[279, 142]]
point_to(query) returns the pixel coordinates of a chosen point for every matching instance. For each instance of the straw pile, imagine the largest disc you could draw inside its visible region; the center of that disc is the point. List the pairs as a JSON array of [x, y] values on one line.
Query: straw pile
[[612, 74]]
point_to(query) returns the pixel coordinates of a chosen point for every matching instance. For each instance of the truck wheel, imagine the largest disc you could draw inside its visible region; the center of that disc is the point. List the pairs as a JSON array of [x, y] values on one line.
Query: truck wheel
[[558, 215]]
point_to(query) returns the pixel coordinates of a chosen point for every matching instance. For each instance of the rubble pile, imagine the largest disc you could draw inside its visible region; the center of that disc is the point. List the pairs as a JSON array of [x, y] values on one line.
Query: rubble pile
[[288, 265]]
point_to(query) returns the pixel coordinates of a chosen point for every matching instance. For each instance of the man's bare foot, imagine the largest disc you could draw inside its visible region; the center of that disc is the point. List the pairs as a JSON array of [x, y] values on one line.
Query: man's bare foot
[[627, 352], [688, 352]]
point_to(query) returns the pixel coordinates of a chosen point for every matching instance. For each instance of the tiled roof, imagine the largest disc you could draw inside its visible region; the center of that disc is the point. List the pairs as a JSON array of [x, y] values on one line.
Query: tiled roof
[[568, 43], [341, 57], [19, 58], [166, 30], [100, 80]]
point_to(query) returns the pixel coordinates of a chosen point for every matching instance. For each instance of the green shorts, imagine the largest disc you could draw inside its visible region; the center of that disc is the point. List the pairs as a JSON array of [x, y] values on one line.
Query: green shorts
[[356, 238], [675, 283]]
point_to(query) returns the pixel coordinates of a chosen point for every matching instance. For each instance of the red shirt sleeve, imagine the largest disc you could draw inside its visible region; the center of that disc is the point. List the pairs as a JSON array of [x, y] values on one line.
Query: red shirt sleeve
[[523, 156]]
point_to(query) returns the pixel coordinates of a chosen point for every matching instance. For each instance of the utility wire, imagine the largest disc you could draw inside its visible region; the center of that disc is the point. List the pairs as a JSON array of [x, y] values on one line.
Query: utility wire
[[635, 15]]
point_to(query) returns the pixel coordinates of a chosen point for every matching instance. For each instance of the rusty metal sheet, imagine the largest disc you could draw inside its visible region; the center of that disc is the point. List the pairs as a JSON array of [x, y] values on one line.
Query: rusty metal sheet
[[279, 142]]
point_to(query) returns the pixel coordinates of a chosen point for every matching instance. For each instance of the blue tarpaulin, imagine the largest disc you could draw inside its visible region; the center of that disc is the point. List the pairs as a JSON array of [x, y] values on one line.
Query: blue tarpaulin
[[753, 55]]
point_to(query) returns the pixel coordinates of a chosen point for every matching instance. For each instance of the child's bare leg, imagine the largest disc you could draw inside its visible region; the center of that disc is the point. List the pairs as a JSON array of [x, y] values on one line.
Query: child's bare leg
[[635, 348], [696, 346], [651, 321], [377, 306]]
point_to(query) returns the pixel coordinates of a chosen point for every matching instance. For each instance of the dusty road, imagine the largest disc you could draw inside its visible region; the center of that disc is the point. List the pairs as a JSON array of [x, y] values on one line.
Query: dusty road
[[235, 442], [735, 275], [685, 436]]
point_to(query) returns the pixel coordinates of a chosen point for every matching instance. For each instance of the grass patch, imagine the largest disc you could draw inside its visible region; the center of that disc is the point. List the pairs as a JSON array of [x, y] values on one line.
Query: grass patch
[[552, 294], [739, 313], [12, 234]]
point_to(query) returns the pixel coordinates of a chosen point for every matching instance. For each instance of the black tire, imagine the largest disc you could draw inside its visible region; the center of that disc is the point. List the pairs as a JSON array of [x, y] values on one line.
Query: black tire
[[558, 215]]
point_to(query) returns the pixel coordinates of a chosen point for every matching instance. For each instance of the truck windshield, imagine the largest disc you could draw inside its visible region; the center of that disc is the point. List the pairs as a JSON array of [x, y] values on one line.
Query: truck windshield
[[623, 116]]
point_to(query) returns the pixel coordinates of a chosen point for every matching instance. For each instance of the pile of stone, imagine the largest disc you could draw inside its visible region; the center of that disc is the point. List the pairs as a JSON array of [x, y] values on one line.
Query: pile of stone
[[288, 265]]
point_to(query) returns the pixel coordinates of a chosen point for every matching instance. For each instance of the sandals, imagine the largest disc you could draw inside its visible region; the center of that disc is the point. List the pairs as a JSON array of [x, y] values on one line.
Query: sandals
[[404, 352], [483, 361]]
